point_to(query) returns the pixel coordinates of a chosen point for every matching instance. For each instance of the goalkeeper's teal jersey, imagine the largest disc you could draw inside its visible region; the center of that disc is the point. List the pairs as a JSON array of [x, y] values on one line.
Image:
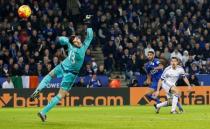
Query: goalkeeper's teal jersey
[[76, 55]]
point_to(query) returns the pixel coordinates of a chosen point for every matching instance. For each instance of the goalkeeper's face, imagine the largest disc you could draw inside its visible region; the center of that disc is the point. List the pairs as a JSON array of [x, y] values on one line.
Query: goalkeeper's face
[[77, 42]]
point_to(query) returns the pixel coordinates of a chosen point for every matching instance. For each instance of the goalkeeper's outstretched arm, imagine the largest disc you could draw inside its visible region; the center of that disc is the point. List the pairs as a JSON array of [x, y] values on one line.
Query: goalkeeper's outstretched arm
[[89, 30], [88, 38]]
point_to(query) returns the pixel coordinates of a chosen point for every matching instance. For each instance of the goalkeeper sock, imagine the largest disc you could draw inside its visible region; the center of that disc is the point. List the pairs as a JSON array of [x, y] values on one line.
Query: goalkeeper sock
[[45, 82], [55, 100], [163, 104], [151, 97]]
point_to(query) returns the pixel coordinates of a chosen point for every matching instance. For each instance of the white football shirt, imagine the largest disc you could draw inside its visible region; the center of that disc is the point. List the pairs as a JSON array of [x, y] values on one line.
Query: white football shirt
[[170, 75]]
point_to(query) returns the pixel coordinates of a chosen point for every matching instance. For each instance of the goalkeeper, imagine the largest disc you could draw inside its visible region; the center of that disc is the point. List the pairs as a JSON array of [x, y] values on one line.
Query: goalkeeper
[[68, 68]]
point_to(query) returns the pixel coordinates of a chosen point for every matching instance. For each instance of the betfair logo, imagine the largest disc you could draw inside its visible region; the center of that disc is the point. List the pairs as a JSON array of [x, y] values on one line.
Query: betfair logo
[[144, 100], [4, 99], [138, 96]]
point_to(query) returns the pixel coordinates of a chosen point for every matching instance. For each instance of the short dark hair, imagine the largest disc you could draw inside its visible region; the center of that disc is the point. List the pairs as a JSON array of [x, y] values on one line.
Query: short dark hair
[[152, 52], [175, 58], [72, 37]]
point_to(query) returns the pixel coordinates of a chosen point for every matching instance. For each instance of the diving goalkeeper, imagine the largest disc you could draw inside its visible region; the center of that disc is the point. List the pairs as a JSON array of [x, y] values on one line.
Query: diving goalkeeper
[[68, 68]]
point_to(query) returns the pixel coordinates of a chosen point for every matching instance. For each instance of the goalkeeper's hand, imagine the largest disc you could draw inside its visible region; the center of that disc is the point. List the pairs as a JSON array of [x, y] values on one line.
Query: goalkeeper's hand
[[87, 19]]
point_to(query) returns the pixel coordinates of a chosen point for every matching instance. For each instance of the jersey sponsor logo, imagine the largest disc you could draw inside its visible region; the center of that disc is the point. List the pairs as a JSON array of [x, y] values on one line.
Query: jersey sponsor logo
[[154, 71]]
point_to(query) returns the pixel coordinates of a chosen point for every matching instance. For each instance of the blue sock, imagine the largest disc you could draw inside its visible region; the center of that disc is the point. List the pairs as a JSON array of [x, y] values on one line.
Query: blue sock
[[179, 105], [157, 100], [45, 82], [55, 100]]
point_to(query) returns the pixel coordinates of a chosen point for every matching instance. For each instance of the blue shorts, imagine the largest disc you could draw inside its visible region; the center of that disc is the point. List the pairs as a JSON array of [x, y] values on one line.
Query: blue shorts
[[154, 85], [68, 77]]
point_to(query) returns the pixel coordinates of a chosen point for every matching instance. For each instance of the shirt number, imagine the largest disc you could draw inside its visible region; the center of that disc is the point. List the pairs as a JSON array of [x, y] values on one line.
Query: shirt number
[[72, 57]]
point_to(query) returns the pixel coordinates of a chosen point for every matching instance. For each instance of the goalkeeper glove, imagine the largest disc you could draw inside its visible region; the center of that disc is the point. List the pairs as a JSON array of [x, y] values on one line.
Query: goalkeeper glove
[[87, 20]]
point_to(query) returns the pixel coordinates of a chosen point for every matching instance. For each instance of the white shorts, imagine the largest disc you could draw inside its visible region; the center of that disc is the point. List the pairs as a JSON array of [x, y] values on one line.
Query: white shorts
[[167, 88], [169, 95]]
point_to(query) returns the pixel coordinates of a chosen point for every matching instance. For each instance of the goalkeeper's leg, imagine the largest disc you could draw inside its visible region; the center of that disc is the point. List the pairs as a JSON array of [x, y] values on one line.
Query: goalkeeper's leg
[[57, 71], [45, 82], [66, 85], [55, 100]]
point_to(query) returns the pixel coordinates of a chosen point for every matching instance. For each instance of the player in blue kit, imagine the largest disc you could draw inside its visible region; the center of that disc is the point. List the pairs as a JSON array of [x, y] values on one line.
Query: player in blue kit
[[154, 71], [68, 68]]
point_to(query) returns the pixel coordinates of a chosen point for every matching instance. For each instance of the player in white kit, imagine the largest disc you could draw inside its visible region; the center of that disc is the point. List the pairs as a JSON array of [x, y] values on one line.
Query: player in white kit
[[168, 80]]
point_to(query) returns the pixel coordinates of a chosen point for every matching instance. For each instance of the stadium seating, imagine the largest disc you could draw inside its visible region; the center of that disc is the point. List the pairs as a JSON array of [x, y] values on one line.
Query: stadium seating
[[125, 30]]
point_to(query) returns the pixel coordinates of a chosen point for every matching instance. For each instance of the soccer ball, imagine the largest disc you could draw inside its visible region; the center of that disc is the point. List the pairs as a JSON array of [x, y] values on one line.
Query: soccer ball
[[24, 11]]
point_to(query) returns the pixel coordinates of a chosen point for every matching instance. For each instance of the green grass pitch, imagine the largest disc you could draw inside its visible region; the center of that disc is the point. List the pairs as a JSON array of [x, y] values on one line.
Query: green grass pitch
[[125, 117]]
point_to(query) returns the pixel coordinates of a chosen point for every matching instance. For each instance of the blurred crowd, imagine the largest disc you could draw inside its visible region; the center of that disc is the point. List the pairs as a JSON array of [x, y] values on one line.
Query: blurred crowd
[[125, 29], [29, 47], [129, 29]]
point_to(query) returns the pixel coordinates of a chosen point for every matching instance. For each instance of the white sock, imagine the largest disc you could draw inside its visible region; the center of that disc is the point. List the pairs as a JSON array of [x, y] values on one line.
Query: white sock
[[163, 104], [174, 103]]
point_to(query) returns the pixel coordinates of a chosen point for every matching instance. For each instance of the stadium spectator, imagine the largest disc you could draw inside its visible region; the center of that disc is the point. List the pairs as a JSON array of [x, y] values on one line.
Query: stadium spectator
[[40, 71], [8, 83], [208, 66], [55, 61], [166, 54], [177, 54], [197, 51], [115, 83], [88, 56], [27, 70], [125, 59], [132, 67], [87, 70], [123, 28], [94, 82], [101, 70], [206, 51], [194, 68], [21, 62], [1, 67], [81, 83], [109, 48], [185, 57], [109, 63], [204, 69], [118, 57], [94, 65], [133, 83], [193, 80], [49, 67], [148, 48], [188, 63], [16, 71]]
